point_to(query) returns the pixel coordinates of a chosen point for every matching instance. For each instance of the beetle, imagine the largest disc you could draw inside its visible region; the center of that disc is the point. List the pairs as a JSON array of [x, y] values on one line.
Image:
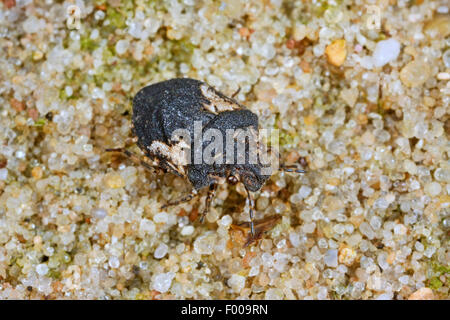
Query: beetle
[[162, 109]]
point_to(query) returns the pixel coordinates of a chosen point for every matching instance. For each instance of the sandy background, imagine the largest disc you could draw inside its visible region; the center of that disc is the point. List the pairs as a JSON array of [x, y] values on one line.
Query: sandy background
[[358, 89]]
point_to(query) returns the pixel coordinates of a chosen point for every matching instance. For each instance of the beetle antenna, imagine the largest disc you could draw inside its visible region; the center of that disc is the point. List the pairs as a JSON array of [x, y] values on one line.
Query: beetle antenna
[[291, 168], [251, 205], [186, 198], [133, 157], [209, 196]]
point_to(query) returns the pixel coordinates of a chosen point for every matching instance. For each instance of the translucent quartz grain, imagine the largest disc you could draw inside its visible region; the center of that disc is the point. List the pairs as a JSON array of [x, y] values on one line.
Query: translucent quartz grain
[[187, 230], [161, 251], [99, 213], [331, 258], [42, 269], [433, 189], [364, 222], [274, 294], [415, 73], [203, 244], [236, 282], [3, 174], [163, 281], [385, 52]]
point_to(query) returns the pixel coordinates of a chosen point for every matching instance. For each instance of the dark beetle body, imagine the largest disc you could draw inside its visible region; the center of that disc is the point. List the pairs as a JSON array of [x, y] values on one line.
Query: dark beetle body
[[162, 108]]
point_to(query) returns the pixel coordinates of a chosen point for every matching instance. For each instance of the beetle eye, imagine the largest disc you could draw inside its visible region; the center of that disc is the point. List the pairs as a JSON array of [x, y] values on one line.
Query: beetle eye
[[232, 180]]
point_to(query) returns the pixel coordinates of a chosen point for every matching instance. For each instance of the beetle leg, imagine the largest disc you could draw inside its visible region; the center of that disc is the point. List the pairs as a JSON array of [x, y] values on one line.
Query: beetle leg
[[135, 158], [146, 162], [236, 93], [252, 206], [209, 196], [184, 199], [261, 227], [166, 165], [285, 167], [254, 238]]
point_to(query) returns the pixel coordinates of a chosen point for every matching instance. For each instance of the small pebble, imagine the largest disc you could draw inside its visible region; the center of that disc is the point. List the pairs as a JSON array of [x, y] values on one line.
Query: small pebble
[[37, 55], [384, 296], [422, 294], [294, 239], [42, 269], [433, 189], [446, 58], [347, 255], [442, 175], [236, 282], [122, 46], [99, 15], [322, 293], [386, 51], [187, 230], [404, 280], [274, 294], [99, 213], [33, 24], [36, 172], [114, 181], [20, 154], [225, 221], [304, 191], [415, 73], [331, 258], [336, 52], [443, 76], [163, 281], [367, 230], [419, 246], [350, 96], [204, 243], [161, 251], [3, 174], [161, 217], [114, 262], [438, 27]]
